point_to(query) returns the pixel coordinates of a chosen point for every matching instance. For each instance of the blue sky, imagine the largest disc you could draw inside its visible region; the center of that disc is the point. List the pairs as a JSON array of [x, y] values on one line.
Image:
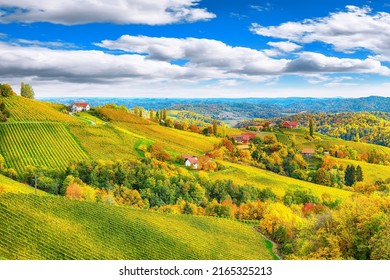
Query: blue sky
[[190, 48]]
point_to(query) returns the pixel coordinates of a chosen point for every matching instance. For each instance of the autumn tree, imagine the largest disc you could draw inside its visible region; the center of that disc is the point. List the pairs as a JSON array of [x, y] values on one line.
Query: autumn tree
[[323, 177], [151, 114], [157, 151], [215, 127], [164, 114], [27, 91], [311, 127], [6, 90], [359, 174], [136, 111]]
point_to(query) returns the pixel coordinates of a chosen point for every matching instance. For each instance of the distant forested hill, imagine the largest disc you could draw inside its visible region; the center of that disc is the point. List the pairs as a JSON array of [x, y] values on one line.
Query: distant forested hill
[[241, 108]]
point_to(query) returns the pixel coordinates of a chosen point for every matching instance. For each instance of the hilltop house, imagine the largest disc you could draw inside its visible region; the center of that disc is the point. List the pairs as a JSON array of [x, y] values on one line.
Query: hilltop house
[[308, 152], [80, 106], [288, 124], [191, 161], [243, 138]]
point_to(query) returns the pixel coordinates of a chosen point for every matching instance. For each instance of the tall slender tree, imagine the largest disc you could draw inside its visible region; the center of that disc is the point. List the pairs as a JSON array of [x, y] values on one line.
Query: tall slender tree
[[359, 174], [311, 127], [215, 127], [350, 175]]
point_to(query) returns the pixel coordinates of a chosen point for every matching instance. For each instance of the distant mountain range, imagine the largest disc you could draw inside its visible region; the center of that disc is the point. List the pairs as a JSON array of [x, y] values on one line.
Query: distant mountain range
[[245, 107]]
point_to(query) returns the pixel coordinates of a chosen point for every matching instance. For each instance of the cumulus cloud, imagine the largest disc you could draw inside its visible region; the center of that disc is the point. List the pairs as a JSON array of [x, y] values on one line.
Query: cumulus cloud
[[80, 66], [285, 46], [154, 60], [309, 62], [200, 53], [72, 12], [347, 31]]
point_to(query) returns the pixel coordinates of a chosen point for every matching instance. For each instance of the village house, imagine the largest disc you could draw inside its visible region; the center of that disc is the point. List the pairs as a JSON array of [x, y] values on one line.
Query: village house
[[80, 106], [308, 152], [191, 161], [243, 138], [288, 124]]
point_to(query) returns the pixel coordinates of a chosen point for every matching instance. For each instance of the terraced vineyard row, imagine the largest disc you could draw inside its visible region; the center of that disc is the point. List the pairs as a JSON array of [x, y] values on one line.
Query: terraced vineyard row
[[24, 109], [50, 227], [44, 144], [283, 138]]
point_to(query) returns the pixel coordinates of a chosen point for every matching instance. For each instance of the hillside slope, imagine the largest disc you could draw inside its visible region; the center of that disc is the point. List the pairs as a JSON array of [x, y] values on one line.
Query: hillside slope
[[50, 227]]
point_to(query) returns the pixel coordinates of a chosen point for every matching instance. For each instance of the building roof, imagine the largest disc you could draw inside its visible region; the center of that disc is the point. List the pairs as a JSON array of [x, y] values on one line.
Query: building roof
[[81, 104], [308, 151], [192, 160], [290, 123]]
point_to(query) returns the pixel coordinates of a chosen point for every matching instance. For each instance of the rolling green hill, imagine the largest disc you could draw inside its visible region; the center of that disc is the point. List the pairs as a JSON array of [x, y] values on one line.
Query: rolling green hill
[[24, 109], [50, 227], [240, 174]]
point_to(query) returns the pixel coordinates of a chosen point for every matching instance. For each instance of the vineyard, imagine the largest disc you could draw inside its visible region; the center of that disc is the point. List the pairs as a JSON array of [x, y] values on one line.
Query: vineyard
[[173, 140], [11, 186], [50, 227], [241, 175], [104, 141], [283, 138], [24, 109], [38, 143]]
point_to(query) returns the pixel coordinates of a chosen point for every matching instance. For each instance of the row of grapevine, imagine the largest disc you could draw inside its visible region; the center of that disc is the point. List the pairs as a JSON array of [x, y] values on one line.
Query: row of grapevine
[[24, 109], [283, 138], [50, 227], [43, 144]]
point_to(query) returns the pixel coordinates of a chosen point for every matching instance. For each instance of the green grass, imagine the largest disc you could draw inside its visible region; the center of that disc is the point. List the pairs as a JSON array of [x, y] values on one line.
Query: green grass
[[50, 227], [38, 143], [266, 179]]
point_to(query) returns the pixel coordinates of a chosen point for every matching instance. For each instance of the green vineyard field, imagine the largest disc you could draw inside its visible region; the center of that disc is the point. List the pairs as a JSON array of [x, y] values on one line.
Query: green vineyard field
[[24, 109], [36, 143], [51, 227]]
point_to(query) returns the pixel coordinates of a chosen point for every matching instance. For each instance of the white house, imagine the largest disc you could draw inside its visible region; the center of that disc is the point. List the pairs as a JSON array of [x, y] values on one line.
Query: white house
[[191, 161], [80, 106]]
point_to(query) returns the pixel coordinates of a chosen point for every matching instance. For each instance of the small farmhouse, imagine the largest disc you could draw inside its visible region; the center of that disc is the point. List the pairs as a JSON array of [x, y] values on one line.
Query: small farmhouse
[[308, 152], [243, 138], [80, 106], [288, 124], [191, 161]]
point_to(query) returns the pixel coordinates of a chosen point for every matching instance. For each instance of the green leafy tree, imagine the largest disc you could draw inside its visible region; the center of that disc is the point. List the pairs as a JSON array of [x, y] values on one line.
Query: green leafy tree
[[27, 91]]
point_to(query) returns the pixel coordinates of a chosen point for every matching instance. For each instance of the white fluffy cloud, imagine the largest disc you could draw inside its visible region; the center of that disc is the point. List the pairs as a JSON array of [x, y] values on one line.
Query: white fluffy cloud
[[72, 12], [200, 54], [347, 31], [285, 46]]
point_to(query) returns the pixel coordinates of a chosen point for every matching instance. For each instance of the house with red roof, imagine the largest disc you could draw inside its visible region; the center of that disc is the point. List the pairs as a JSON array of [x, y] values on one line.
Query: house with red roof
[[243, 138], [191, 161], [80, 106], [288, 124]]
